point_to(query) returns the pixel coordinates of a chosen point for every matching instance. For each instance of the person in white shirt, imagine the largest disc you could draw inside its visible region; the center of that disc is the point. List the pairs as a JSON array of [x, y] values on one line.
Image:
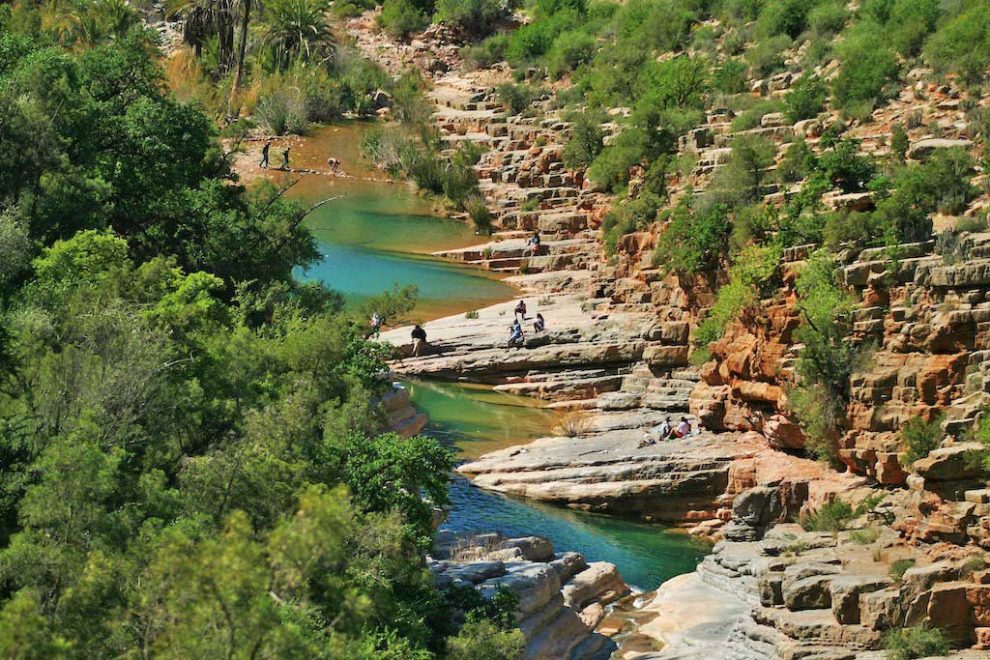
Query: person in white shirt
[[683, 428]]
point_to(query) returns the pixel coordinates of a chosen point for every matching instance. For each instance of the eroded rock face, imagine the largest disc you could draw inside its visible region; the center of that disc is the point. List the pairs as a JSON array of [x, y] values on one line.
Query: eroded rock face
[[561, 597]]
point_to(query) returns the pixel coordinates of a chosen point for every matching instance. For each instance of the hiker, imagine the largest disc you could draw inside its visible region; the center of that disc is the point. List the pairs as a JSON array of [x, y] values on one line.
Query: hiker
[[264, 154], [534, 243], [539, 325], [376, 326], [334, 164], [419, 341], [285, 158], [683, 428], [521, 310], [516, 334]]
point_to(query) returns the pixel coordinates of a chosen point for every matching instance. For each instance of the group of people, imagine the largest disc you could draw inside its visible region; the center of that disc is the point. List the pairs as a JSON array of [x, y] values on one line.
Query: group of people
[[264, 155], [332, 162], [516, 335]]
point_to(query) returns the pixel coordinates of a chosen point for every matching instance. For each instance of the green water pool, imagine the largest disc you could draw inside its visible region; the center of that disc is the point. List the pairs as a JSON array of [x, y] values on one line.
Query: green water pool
[[377, 233], [476, 420]]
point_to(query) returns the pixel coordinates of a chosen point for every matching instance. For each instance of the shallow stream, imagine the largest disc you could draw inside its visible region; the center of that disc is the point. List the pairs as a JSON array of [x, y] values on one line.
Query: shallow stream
[[381, 233]]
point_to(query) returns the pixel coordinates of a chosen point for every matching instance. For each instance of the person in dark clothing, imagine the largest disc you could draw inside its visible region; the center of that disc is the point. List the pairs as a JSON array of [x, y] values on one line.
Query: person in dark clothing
[[419, 340], [264, 154], [521, 310], [539, 325], [285, 158]]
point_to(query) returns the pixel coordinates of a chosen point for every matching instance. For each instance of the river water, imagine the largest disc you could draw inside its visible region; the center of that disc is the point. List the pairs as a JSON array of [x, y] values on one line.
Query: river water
[[379, 234]]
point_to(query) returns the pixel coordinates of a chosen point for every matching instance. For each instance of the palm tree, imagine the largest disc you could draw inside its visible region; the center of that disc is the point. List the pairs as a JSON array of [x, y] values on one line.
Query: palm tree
[[245, 8], [295, 29], [203, 19]]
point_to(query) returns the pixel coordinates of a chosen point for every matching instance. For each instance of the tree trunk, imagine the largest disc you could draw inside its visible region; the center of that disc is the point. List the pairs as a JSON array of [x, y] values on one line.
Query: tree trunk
[[242, 47]]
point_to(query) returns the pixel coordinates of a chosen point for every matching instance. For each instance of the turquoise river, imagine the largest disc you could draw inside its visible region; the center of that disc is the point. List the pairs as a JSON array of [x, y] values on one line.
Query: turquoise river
[[378, 234]]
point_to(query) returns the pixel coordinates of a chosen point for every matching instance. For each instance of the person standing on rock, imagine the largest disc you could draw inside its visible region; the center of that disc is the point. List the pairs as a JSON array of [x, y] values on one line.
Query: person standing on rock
[[334, 165], [264, 154], [418, 340], [521, 310], [285, 158]]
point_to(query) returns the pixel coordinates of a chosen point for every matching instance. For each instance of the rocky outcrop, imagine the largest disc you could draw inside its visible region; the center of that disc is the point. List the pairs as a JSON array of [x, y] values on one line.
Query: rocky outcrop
[[401, 416], [562, 598]]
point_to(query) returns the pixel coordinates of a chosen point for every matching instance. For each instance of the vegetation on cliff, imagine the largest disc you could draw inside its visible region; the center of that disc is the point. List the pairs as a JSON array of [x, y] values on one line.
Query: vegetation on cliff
[[193, 462]]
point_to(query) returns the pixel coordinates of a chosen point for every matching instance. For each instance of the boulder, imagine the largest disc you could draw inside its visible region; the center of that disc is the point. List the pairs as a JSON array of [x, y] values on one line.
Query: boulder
[[949, 609], [806, 586], [534, 584], [533, 548], [599, 582], [951, 463], [923, 149], [845, 593]]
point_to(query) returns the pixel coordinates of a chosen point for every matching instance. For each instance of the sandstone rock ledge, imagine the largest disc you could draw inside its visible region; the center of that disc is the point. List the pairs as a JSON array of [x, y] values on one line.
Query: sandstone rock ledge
[[671, 481], [562, 598]]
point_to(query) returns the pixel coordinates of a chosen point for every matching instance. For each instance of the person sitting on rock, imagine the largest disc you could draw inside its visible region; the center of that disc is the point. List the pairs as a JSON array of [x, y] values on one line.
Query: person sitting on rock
[[419, 341], [683, 428], [534, 243], [521, 310], [516, 334], [666, 429], [539, 325]]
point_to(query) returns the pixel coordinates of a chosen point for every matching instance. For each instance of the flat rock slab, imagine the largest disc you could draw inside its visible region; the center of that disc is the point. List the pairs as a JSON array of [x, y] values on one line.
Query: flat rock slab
[[610, 471]]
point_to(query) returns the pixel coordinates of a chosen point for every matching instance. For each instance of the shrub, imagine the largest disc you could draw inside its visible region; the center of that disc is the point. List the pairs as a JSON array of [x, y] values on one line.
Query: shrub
[[751, 117], [471, 314], [479, 213], [962, 45], [864, 536], [806, 98], [939, 184], [281, 109], [845, 226], [846, 168], [480, 638], [351, 8], [828, 19], [910, 23], [400, 18], [586, 140], [766, 56], [570, 50], [899, 567], [731, 77], [788, 17], [515, 98], [798, 161], [869, 67], [477, 17], [693, 241], [487, 53], [831, 517], [899, 142], [741, 179], [754, 267], [574, 424], [920, 438], [916, 642]]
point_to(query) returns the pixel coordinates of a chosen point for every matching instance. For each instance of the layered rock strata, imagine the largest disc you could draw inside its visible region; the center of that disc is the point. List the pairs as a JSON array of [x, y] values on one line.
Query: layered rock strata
[[562, 597]]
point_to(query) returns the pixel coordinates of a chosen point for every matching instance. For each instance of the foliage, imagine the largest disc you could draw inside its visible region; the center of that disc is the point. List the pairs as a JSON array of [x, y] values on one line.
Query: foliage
[[483, 640], [766, 56], [693, 240], [899, 142], [830, 517], [477, 17], [920, 438], [939, 184], [899, 567], [515, 98], [869, 67], [828, 359], [753, 269], [806, 98], [730, 77], [864, 536], [916, 642], [752, 116], [741, 180], [400, 18], [295, 30], [586, 141], [962, 45], [282, 109], [798, 161], [845, 167]]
